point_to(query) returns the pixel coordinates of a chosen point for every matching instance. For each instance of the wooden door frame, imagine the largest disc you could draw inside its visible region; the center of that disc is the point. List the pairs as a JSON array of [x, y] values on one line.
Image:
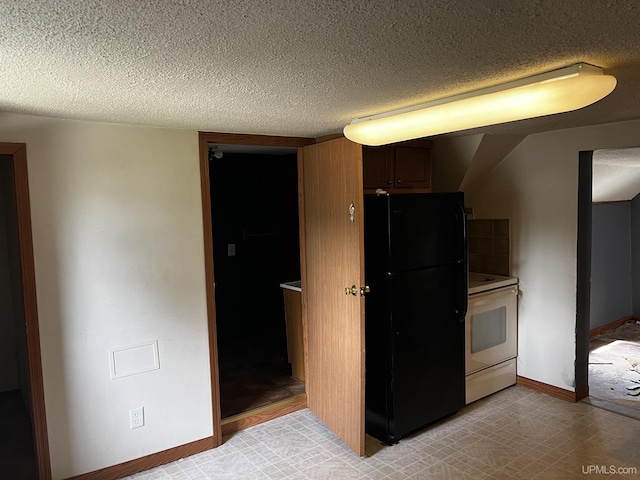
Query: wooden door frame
[[204, 139], [18, 153]]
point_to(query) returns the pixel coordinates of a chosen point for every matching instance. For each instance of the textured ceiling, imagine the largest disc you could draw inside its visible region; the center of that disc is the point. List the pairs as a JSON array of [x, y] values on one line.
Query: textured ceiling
[[616, 174], [306, 68], [301, 67]]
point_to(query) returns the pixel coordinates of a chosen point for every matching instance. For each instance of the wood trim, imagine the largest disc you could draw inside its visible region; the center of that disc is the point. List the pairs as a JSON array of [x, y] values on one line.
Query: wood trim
[[303, 261], [210, 290], [150, 461], [554, 391], [611, 201], [18, 151], [612, 325], [264, 414], [261, 140], [582, 393]]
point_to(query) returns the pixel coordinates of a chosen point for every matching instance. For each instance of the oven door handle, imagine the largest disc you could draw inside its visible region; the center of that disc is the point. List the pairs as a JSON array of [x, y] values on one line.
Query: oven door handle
[[478, 299]]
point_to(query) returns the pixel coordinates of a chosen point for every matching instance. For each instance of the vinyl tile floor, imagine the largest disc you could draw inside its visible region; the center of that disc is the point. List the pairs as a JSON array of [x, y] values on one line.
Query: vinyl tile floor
[[514, 434]]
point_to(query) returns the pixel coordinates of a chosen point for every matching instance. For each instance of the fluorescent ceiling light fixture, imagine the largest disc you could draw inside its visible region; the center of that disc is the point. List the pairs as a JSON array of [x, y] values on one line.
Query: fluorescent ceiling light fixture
[[558, 91]]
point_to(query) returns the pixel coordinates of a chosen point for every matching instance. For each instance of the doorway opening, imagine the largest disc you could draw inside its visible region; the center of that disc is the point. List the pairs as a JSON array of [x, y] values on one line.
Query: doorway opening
[[612, 334], [254, 211], [238, 144], [24, 451]]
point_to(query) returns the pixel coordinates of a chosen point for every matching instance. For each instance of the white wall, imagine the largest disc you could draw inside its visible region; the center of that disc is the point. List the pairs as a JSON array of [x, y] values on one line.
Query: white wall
[[119, 260], [536, 187], [452, 158]]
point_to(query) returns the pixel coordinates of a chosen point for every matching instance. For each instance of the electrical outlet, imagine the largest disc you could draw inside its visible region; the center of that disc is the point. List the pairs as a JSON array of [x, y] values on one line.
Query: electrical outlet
[[136, 417]]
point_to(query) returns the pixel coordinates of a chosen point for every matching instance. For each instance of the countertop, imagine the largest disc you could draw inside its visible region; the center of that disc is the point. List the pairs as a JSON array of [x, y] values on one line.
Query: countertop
[[297, 285], [480, 282]]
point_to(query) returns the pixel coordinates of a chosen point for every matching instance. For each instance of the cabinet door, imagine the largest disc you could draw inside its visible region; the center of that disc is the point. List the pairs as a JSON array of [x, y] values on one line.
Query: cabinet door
[[412, 167], [377, 168]]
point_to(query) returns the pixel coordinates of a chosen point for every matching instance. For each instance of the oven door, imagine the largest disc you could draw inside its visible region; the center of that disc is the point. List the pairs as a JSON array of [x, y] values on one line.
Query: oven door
[[491, 328]]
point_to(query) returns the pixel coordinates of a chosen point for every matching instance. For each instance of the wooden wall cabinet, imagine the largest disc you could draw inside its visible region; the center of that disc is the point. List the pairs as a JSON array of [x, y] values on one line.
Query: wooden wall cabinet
[[398, 168]]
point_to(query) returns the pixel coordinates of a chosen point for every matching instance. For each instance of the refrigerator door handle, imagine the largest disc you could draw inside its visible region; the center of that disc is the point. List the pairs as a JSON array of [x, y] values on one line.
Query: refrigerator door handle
[[463, 287]]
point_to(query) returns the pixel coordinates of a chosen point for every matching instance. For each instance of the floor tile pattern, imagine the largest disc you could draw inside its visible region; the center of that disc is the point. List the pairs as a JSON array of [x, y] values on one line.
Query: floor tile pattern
[[514, 434]]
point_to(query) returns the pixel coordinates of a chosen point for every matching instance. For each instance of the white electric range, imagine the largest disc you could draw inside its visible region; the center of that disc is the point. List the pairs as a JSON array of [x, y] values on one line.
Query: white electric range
[[491, 334]]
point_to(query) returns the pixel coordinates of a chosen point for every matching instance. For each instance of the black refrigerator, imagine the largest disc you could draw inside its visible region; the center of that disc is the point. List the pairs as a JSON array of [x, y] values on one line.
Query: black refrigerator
[[416, 266]]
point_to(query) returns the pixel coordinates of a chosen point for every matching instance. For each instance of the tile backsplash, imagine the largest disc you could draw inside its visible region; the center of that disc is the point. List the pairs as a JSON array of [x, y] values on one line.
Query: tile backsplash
[[489, 246]]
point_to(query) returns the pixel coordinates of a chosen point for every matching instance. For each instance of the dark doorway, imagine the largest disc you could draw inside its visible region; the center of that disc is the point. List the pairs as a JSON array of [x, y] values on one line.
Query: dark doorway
[[17, 458], [24, 452], [254, 209], [17, 455]]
